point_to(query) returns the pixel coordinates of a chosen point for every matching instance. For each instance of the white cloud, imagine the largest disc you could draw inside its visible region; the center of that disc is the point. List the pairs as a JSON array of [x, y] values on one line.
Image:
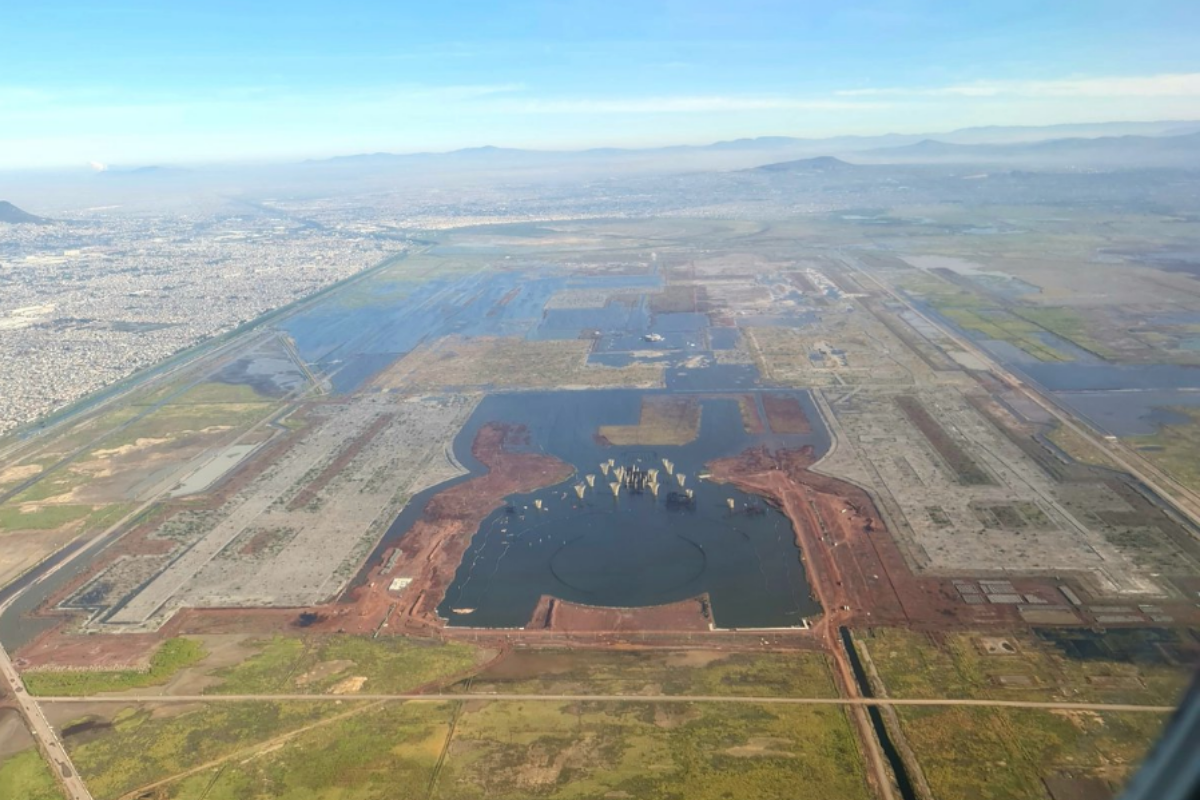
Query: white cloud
[[1186, 84]]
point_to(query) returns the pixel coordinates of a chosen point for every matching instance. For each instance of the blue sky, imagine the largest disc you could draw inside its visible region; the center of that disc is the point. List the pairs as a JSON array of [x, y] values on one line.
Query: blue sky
[[179, 81]]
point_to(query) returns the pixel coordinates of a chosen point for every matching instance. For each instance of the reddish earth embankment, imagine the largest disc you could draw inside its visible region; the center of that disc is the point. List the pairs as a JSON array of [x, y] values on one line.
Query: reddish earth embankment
[[854, 567], [561, 616], [431, 550]]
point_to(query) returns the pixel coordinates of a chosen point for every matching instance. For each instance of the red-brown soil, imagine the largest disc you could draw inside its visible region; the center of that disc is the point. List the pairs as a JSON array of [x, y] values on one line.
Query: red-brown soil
[[785, 414], [561, 616], [91, 652], [431, 550], [854, 567]]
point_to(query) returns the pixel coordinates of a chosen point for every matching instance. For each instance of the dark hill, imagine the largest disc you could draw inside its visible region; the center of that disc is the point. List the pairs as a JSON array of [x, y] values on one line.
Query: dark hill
[[822, 164], [15, 216]]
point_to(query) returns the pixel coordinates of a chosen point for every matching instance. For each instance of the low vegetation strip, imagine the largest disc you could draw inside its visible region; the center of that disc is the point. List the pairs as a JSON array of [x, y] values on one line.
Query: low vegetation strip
[[172, 656], [514, 750], [664, 421], [1014, 754], [964, 467], [289, 664], [143, 746], [785, 415], [28, 777]]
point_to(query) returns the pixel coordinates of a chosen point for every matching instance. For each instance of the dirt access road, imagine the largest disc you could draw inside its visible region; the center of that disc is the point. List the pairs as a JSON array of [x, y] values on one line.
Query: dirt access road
[[613, 698]]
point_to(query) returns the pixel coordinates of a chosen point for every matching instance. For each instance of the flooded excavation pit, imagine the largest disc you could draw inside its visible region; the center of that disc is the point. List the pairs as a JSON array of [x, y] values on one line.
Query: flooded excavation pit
[[624, 531], [637, 566]]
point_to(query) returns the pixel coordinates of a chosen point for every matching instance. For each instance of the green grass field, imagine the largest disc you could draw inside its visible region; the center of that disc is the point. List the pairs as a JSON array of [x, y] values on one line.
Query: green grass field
[[701, 751], [27, 776], [914, 665], [659, 672], [1004, 754], [145, 745], [995, 323], [292, 664], [513, 751], [172, 656], [389, 751], [1175, 448], [1067, 323], [14, 518]]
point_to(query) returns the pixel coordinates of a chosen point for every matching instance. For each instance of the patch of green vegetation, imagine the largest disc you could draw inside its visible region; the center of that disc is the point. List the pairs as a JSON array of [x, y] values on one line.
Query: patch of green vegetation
[[914, 665], [1079, 448], [289, 664], [171, 422], [1067, 323], [27, 776], [106, 516], [995, 323], [509, 750], [1004, 753], [664, 421], [86, 431], [1018, 325], [647, 750], [172, 656], [1175, 447], [217, 392], [44, 518], [146, 745], [708, 673], [388, 751], [54, 484]]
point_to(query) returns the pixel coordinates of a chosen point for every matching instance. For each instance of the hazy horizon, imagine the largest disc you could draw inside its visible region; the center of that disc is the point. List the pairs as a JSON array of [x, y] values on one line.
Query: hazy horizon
[[214, 83]]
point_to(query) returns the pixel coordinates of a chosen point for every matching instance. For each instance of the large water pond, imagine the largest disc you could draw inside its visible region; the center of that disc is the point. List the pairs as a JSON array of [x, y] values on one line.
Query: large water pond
[[634, 549]]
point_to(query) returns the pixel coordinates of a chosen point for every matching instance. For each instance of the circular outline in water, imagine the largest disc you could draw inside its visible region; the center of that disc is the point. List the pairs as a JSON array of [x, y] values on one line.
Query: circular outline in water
[[659, 587]]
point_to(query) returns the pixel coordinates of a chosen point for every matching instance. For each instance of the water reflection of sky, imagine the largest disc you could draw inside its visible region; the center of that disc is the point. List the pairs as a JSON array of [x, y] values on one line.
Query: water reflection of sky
[[1120, 399]]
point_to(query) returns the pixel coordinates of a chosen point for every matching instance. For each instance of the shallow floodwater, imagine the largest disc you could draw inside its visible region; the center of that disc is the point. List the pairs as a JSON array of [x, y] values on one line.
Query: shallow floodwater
[[1120, 399], [634, 549]]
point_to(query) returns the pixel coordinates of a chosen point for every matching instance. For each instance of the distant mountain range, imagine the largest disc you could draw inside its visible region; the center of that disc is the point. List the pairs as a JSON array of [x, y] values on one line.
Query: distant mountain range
[[15, 216], [1100, 146], [1106, 151], [749, 149]]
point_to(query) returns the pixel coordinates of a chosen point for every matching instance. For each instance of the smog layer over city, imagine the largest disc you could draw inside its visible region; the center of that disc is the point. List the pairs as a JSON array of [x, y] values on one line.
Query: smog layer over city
[[842, 464]]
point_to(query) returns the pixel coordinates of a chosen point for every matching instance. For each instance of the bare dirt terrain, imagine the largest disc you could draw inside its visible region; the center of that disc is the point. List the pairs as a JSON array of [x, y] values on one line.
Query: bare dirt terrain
[[431, 551], [560, 616], [853, 566]]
